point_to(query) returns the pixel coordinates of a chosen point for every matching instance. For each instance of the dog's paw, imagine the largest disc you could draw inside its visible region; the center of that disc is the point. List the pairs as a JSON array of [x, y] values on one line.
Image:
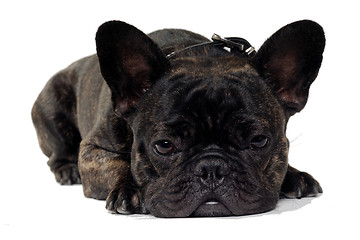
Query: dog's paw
[[68, 174], [299, 184], [125, 201]]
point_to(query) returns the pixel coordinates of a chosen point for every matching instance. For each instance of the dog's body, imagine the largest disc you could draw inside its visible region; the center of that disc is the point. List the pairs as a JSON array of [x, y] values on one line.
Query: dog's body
[[199, 133]]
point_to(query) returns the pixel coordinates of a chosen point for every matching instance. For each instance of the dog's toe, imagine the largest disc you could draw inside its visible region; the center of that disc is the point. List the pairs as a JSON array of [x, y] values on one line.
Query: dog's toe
[[68, 174]]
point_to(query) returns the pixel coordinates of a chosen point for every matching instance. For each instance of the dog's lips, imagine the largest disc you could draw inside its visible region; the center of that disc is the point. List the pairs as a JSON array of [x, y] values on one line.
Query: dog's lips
[[211, 208]]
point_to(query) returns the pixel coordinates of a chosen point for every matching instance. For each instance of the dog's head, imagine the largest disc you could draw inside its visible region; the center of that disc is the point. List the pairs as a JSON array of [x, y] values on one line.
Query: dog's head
[[209, 131]]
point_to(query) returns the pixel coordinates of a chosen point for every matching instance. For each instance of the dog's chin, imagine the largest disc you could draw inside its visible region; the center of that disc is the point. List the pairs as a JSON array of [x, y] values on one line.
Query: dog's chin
[[223, 208], [211, 209]]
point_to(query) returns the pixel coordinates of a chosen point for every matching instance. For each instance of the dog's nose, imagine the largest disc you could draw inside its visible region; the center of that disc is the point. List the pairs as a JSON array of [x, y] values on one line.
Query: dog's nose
[[211, 172]]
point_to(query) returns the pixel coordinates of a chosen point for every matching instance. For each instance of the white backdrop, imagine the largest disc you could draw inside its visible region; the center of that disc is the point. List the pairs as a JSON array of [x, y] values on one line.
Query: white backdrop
[[38, 38]]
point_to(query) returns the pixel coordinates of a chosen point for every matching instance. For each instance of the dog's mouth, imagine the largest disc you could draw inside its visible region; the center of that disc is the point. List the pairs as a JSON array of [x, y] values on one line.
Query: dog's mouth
[[211, 208]]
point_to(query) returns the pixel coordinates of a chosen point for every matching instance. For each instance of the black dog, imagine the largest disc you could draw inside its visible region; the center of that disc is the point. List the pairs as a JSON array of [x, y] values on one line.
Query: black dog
[[176, 125]]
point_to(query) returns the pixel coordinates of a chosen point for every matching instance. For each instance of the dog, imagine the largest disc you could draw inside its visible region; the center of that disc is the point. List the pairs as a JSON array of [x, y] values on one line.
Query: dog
[[176, 125]]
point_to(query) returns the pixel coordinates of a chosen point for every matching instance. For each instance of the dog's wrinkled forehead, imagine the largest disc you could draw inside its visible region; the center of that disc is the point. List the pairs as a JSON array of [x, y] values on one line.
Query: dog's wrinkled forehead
[[210, 90]]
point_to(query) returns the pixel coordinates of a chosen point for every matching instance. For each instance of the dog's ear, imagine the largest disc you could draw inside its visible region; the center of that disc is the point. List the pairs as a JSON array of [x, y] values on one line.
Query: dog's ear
[[290, 60], [130, 63]]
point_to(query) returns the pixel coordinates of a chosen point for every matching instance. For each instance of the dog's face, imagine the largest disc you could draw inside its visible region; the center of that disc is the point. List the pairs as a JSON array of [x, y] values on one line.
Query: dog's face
[[210, 140], [209, 131]]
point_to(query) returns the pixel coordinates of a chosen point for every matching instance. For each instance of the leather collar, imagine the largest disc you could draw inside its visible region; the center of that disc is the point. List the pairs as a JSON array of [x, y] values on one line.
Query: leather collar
[[233, 45]]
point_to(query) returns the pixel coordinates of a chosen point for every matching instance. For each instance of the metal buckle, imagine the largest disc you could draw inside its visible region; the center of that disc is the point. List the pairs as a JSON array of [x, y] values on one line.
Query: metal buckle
[[250, 50], [232, 44], [216, 38]]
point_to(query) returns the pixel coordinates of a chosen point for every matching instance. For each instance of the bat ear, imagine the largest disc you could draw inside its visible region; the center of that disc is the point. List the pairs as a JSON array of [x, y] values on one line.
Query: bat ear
[[130, 63], [290, 60]]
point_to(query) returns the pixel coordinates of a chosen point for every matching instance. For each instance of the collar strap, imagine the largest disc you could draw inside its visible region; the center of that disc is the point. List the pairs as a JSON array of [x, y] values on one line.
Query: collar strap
[[234, 45]]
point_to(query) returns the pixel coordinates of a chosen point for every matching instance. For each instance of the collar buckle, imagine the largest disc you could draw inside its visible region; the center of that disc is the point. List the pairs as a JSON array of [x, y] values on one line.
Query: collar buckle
[[239, 43]]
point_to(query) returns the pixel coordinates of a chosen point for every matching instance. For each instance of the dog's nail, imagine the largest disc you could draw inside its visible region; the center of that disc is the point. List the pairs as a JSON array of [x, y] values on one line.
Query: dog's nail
[[298, 193], [317, 190], [110, 207], [320, 190], [123, 209]]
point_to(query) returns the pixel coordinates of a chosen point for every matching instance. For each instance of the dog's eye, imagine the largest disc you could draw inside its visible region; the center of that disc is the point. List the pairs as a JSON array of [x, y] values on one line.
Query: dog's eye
[[259, 141], [164, 147]]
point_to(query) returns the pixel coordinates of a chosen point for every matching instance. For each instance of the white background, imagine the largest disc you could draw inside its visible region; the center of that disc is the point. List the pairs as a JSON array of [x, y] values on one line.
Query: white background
[[38, 38]]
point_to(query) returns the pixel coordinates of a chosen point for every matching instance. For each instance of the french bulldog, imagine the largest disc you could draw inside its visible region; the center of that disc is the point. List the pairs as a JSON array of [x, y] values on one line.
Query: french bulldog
[[174, 125]]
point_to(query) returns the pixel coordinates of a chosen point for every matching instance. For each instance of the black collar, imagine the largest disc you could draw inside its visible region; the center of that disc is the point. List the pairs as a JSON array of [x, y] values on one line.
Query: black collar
[[233, 45]]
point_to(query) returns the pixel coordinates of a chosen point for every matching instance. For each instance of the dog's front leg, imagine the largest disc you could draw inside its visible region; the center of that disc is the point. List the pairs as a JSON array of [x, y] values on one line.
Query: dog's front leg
[[106, 175]]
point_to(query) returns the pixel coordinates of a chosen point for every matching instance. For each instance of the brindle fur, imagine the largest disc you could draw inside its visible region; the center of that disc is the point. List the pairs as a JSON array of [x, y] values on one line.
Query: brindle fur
[[94, 121]]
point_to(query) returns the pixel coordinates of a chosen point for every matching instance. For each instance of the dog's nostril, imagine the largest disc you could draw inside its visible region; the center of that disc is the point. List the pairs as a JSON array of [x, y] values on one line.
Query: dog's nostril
[[219, 174], [209, 173], [204, 175]]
